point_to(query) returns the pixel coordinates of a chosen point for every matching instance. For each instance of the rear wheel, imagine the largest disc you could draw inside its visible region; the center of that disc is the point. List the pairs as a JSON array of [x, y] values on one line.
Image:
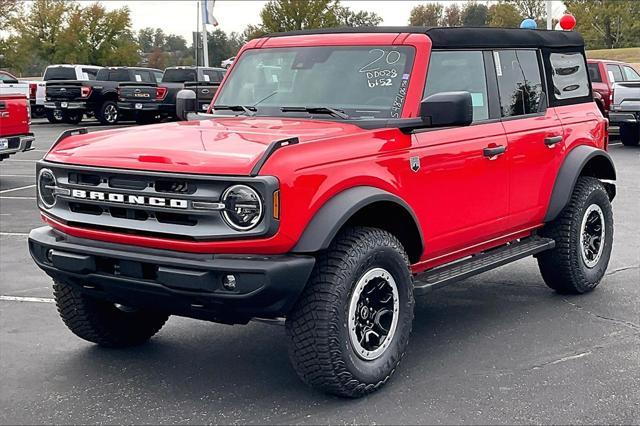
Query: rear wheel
[[72, 117], [103, 322], [54, 116], [584, 237], [630, 134], [108, 113], [350, 328]]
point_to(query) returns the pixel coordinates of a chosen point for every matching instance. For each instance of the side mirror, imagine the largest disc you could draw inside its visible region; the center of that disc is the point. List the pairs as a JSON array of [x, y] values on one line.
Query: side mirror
[[447, 109], [185, 104]]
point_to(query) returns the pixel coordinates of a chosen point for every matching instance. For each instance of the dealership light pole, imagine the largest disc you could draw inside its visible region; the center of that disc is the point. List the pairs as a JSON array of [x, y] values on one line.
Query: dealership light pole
[[549, 17]]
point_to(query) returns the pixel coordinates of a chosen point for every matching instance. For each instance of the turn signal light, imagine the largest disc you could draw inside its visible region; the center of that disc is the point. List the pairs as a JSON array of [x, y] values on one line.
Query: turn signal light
[[276, 205]]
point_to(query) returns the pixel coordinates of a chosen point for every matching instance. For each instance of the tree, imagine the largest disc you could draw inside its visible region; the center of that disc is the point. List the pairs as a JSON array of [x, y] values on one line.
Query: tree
[[426, 15], [474, 14], [157, 59], [288, 15], [534, 9], [223, 46], [452, 16], [504, 15], [607, 23], [9, 9], [348, 18], [146, 39]]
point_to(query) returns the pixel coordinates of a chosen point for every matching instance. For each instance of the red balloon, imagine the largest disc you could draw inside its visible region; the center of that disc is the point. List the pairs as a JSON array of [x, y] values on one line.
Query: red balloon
[[567, 22]]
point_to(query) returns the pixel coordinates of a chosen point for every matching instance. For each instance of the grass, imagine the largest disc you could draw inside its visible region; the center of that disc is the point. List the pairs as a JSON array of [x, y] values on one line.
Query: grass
[[628, 54]]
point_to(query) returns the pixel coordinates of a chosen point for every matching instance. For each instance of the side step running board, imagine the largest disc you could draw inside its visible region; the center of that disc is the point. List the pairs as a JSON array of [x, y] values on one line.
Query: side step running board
[[447, 274]]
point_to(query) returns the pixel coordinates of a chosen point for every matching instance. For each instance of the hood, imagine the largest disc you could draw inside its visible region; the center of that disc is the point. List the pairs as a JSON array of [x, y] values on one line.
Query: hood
[[227, 146]]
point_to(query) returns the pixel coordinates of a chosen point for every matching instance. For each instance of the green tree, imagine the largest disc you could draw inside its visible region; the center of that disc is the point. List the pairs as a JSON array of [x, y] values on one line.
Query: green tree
[[349, 18], [288, 15], [223, 46], [534, 9], [607, 23], [452, 16], [9, 9], [145, 39], [504, 15], [427, 15], [474, 14]]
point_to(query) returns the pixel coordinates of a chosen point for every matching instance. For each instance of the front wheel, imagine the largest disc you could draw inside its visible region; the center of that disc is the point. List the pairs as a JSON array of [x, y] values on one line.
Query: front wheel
[[351, 326], [102, 322], [583, 233]]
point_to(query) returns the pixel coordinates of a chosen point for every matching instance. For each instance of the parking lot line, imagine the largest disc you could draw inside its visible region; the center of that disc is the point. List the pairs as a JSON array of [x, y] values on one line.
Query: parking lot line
[[17, 198], [4, 191], [1, 176], [27, 299], [13, 234]]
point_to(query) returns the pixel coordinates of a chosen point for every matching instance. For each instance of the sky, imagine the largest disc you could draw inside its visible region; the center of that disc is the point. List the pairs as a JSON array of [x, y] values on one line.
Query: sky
[[179, 17]]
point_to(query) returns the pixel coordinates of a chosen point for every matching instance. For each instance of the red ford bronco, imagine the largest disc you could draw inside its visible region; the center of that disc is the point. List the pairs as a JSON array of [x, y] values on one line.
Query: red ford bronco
[[338, 174]]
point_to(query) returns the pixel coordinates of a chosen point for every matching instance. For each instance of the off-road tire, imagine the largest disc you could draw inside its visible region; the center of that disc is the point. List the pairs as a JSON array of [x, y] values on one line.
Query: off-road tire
[[102, 322], [563, 268], [630, 134], [52, 117], [320, 348], [104, 114], [72, 117]]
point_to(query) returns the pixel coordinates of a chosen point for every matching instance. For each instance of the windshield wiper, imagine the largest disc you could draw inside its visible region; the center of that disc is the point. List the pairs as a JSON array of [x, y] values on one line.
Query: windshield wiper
[[317, 110], [248, 110]]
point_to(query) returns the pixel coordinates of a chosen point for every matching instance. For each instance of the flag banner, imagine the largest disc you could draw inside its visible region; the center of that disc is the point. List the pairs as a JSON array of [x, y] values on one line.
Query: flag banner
[[207, 13]]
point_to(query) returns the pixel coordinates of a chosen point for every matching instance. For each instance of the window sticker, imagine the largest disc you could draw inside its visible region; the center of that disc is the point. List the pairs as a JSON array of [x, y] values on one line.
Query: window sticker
[[477, 99], [398, 102], [206, 77], [496, 58], [138, 77]]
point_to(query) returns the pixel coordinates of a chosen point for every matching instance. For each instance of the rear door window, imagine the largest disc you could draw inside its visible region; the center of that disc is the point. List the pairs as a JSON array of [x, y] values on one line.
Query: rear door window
[[594, 73], [615, 74], [91, 73], [453, 71], [178, 75], [630, 74], [519, 82], [119, 75], [569, 75]]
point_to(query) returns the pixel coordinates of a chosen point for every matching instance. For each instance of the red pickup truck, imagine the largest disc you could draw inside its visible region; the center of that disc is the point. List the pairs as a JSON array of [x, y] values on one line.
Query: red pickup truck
[[15, 119], [342, 172], [603, 74]]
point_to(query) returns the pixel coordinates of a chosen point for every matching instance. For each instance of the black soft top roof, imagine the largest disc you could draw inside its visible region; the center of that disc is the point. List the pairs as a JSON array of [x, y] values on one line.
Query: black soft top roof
[[467, 37]]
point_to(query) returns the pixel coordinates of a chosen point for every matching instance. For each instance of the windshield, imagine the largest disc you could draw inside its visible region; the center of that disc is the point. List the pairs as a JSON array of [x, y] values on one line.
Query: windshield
[[59, 73], [362, 81]]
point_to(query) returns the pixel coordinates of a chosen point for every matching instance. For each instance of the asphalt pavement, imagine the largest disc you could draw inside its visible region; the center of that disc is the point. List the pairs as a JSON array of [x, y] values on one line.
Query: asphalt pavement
[[497, 348]]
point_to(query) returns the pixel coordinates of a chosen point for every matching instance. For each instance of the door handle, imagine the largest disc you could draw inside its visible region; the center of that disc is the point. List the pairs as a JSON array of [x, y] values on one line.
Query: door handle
[[493, 152], [550, 142]]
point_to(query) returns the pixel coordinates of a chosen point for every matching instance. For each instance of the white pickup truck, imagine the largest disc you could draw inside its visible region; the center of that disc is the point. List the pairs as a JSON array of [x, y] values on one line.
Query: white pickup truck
[[9, 85], [625, 111], [57, 73]]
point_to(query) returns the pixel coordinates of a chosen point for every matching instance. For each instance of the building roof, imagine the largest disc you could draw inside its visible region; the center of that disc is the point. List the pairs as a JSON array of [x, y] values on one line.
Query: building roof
[[467, 37]]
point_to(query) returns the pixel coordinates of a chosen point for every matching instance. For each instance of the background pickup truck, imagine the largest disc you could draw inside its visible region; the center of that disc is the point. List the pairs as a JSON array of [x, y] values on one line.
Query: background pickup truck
[[625, 111], [151, 101], [15, 119], [10, 85], [98, 97], [63, 73], [604, 74]]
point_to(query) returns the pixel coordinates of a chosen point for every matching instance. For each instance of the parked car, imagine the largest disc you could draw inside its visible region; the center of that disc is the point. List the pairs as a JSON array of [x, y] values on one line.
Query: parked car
[[331, 194], [603, 74], [625, 110], [151, 101], [15, 119], [9, 84], [54, 74], [227, 62], [97, 97]]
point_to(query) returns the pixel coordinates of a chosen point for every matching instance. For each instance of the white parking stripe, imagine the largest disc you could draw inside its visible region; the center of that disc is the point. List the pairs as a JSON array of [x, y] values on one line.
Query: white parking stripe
[[17, 198], [31, 176], [22, 161], [14, 234], [27, 299], [4, 191]]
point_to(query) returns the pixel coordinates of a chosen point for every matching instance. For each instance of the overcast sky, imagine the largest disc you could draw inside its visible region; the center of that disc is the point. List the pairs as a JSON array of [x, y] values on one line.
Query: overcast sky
[[179, 17]]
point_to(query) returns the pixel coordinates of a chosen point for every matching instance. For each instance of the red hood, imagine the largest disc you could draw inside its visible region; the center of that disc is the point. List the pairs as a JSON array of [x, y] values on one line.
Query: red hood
[[220, 146]]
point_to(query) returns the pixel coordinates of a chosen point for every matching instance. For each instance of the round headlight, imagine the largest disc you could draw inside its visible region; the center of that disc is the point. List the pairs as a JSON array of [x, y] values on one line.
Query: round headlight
[[46, 184], [243, 207]]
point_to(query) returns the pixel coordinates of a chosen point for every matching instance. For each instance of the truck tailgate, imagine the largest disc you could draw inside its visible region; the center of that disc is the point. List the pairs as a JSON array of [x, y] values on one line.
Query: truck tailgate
[[64, 90], [137, 92], [14, 115]]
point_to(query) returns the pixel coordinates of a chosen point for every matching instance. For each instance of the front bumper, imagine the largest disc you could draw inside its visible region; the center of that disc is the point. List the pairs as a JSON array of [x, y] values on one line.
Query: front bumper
[[618, 118], [15, 144], [65, 105], [178, 283]]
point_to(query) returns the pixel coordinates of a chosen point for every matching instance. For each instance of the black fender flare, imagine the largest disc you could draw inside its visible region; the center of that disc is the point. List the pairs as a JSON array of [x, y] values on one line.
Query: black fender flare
[[572, 168], [332, 216]]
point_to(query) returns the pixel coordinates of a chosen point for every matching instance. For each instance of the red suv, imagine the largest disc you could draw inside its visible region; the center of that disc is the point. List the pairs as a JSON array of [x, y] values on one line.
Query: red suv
[[341, 173]]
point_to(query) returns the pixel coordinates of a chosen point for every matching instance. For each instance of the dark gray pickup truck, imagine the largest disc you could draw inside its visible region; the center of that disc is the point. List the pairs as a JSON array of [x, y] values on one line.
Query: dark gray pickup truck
[[97, 97], [150, 101]]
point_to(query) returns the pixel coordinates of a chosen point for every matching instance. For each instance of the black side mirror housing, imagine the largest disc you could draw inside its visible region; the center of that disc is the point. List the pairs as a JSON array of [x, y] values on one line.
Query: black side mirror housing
[[447, 109], [185, 104]]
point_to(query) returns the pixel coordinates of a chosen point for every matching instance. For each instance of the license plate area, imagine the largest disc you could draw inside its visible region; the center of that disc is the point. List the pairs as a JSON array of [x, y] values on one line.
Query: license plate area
[[138, 106]]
